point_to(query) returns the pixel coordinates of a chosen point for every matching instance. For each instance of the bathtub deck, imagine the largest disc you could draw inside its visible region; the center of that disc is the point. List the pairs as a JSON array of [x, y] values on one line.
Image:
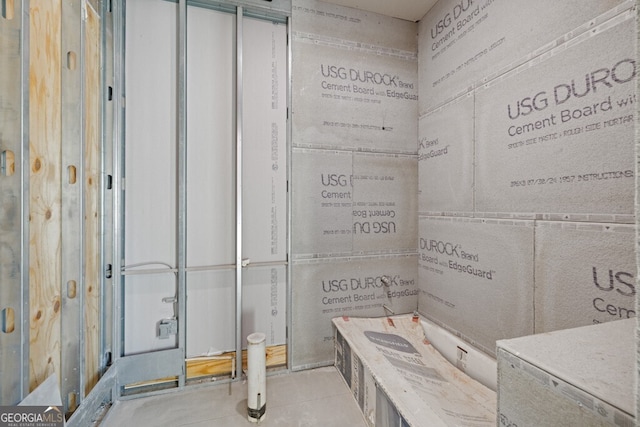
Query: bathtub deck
[[398, 378]]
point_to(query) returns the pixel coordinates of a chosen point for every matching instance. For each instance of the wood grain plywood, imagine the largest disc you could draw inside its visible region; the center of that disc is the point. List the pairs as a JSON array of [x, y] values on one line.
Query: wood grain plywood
[[91, 199], [45, 189]]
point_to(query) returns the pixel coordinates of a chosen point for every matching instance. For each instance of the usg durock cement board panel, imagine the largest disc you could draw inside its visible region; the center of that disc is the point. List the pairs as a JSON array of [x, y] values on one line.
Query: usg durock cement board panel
[[353, 202], [585, 274], [463, 41], [324, 289], [573, 377], [349, 92], [556, 136], [476, 277], [445, 158]]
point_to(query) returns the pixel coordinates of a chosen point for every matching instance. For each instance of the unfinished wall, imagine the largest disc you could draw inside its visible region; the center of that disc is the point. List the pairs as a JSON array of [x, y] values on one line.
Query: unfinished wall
[[354, 171], [50, 145], [526, 128], [12, 214], [151, 212]]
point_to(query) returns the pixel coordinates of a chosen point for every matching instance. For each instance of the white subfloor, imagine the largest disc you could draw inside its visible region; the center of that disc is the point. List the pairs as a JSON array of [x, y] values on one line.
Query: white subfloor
[[317, 397]]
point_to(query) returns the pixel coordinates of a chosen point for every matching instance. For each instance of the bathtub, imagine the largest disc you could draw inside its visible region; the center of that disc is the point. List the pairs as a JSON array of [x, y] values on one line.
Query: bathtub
[[406, 371], [475, 363]]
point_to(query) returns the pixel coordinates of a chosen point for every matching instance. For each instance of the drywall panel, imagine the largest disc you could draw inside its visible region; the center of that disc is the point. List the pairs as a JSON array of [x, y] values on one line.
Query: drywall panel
[[556, 136], [150, 138], [144, 308], [211, 325], [445, 158], [463, 42], [476, 277], [210, 131], [264, 305], [264, 141], [324, 289], [348, 203], [585, 274], [352, 91]]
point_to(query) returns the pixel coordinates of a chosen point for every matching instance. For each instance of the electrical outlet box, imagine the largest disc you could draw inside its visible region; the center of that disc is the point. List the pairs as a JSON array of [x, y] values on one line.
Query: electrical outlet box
[[167, 327]]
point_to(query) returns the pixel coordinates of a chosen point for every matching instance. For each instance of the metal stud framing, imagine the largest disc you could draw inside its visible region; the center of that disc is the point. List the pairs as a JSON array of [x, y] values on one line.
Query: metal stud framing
[[239, 124], [14, 201]]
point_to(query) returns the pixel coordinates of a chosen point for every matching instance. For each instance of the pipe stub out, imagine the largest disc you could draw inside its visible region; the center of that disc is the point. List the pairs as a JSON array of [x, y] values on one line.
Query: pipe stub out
[[256, 377], [256, 338]]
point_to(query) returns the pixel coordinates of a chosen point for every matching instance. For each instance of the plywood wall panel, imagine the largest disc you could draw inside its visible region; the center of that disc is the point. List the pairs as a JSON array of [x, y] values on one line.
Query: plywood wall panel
[[45, 192], [554, 136]]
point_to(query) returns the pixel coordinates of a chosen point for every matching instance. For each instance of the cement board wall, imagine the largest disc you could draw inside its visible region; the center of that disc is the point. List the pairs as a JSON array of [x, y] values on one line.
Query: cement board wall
[[446, 158], [527, 113], [553, 136], [353, 88], [354, 169], [328, 288], [348, 203], [476, 277], [463, 42], [585, 274]]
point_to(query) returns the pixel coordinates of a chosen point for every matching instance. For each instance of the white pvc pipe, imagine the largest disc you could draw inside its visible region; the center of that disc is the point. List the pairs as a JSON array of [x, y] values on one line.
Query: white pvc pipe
[[256, 377]]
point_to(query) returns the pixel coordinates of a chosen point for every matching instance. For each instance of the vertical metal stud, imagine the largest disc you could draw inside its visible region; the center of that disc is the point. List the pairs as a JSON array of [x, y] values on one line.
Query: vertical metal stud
[[289, 207], [71, 240], [182, 183], [118, 159], [25, 196], [106, 184], [239, 123]]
